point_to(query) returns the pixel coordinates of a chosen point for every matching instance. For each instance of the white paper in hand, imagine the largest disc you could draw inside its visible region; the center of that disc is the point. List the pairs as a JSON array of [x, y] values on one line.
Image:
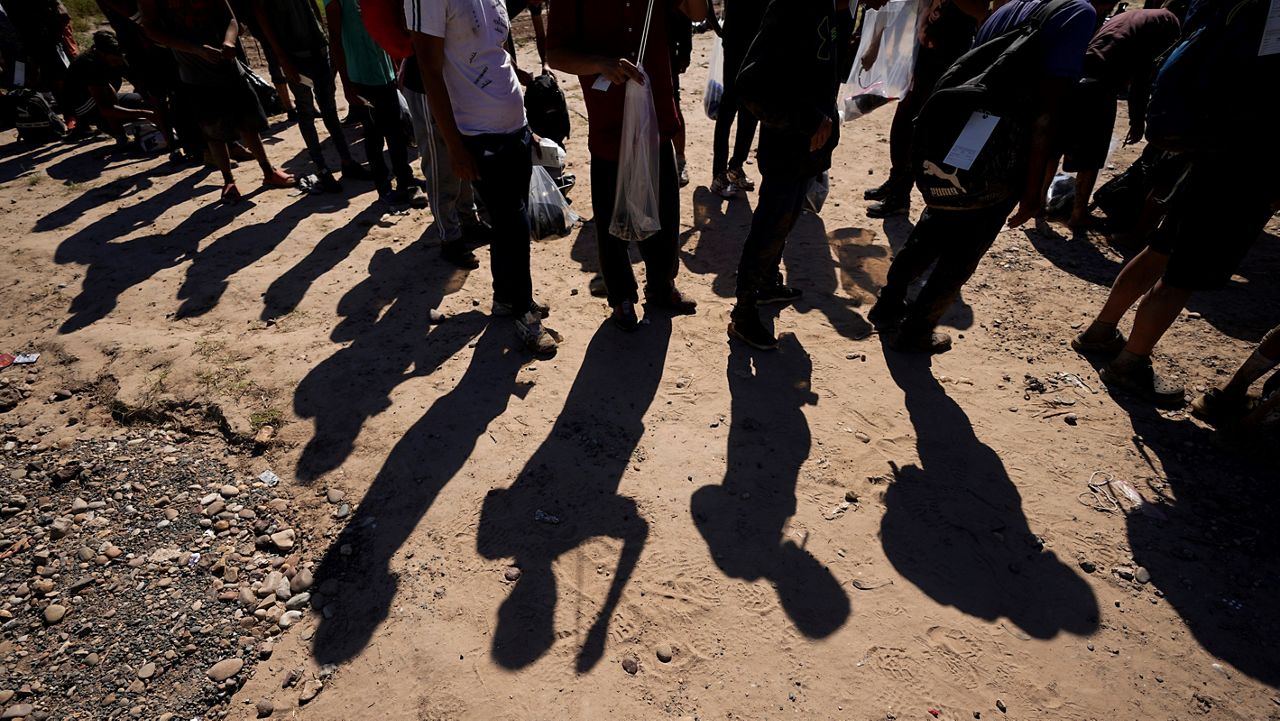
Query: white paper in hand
[[972, 139]]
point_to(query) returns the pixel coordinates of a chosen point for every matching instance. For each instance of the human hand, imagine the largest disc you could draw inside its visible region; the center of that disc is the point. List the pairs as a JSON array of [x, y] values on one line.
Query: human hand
[[618, 71], [820, 138], [1137, 128], [1028, 208], [463, 163]]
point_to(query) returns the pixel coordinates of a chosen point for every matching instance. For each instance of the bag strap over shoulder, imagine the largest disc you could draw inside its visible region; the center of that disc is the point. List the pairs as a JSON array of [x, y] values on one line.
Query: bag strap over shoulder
[[1047, 9]]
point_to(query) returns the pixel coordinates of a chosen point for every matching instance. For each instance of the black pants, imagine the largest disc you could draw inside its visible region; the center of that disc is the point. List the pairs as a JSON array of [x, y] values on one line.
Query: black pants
[[659, 251], [381, 120], [956, 240], [318, 99], [505, 165], [730, 109], [777, 209], [929, 67]]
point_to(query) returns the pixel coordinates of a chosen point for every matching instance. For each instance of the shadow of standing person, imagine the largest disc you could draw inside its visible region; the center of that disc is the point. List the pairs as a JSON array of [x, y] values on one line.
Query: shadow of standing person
[[568, 493], [954, 526], [744, 519], [355, 573]]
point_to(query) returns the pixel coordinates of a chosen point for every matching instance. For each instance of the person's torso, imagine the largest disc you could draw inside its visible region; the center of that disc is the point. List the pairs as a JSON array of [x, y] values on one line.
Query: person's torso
[[1064, 35], [86, 72], [296, 24], [1129, 43], [367, 62], [742, 20], [478, 70]]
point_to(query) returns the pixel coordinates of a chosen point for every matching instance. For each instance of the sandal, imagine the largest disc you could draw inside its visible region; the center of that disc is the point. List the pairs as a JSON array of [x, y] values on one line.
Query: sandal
[[279, 179], [230, 194]]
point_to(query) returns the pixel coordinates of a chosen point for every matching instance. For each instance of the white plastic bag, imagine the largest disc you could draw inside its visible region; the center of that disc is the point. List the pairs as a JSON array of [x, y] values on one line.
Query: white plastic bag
[[635, 204], [890, 39], [549, 213], [1062, 195], [816, 196], [548, 154], [715, 81]]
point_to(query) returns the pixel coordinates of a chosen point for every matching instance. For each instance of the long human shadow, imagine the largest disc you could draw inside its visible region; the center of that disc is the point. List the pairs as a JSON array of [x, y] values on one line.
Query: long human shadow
[[1210, 548], [115, 267], [386, 321], [954, 525], [567, 493], [286, 292], [1242, 310], [354, 574], [128, 216], [811, 266], [20, 157], [211, 267], [744, 519]]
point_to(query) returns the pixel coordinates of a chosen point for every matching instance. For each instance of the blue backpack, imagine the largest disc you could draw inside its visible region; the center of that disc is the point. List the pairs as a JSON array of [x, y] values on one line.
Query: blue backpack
[[1211, 77]]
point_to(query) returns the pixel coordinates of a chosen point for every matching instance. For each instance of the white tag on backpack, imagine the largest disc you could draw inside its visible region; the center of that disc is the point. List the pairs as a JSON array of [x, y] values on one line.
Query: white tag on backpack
[[19, 74], [1271, 33], [972, 140]]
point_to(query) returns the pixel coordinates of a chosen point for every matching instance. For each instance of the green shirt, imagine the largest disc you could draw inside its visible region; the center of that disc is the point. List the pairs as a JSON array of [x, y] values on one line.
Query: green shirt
[[367, 63]]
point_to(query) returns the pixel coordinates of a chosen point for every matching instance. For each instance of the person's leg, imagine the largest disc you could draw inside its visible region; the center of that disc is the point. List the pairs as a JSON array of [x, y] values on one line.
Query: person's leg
[[443, 187], [373, 139], [661, 250], [1137, 277], [923, 247], [724, 127], [744, 139], [1262, 360], [505, 166], [971, 235], [324, 93], [776, 212], [1085, 180], [1156, 313], [306, 108], [387, 109], [615, 257]]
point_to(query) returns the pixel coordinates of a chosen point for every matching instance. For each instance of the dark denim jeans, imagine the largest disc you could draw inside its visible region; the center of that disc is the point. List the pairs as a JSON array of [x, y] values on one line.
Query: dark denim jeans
[[505, 167]]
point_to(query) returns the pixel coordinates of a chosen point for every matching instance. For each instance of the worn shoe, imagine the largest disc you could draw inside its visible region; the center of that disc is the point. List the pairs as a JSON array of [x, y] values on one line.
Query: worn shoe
[[748, 328], [889, 207], [355, 171], [672, 301], [1109, 347], [1139, 378], [411, 194], [504, 309], [328, 183], [740, 180], [684, 174], [932, 343], [882, 191], [886, 313], [779, 293], [535, 337], [624, 316], [723, 187], [597, 287], [1220, 409], [460, 255]]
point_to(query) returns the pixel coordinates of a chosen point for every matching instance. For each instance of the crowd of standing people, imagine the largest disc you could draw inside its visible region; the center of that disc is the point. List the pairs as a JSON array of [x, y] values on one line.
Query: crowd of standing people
[[1004, 93]]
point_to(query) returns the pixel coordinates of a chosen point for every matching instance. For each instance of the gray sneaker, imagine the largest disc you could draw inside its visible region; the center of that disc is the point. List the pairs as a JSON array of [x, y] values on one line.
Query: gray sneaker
[[740, 179], [535, 337], [723, 187]]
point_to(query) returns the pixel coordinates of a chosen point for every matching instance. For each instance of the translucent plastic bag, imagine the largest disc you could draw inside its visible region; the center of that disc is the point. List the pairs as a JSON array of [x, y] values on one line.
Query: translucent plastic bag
[[886, 56], [1062, 195], [635, 207], [816, 196], [715, 81], [549, 213]]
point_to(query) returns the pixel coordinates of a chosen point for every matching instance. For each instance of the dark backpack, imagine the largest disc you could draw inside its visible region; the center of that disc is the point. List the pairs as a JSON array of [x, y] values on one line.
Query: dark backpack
[[268, 98], [548, 112], [996, 79], [1208, 83], [36, 118]]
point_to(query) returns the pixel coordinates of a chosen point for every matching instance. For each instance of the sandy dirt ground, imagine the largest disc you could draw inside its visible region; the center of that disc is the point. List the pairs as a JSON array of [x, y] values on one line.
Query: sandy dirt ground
[[831, 531]]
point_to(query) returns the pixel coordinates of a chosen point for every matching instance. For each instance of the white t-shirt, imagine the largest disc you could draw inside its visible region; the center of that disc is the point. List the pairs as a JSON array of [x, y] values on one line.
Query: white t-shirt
[[477, 69]]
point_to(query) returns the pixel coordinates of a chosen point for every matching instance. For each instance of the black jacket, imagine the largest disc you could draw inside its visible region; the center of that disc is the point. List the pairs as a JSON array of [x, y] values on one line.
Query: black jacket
[[790, 80]]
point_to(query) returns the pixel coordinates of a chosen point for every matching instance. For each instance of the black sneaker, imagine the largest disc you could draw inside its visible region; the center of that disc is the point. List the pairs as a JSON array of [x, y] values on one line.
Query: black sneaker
[[460, 255], [355, 171], [886, 314], [624, 316], [411, 195], [931, 343], [748, 328], [1140, 379], [504, 309], [328, 183], [889, 207], [597, 287], [882, 191], [779, 293]]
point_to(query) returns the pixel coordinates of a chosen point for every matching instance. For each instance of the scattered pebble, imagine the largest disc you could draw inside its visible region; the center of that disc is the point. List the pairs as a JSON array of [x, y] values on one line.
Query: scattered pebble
[[225, 669], [631, 665], [664, 652]]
